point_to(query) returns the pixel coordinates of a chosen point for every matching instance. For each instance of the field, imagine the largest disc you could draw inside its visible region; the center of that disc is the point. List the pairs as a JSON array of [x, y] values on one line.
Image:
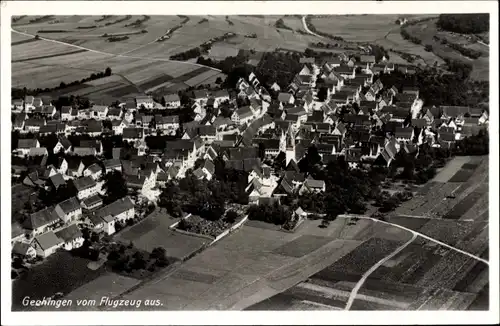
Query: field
[[107, 285], [250, 265], [45, 279], [424, 275], [154, 232], [77, 53]]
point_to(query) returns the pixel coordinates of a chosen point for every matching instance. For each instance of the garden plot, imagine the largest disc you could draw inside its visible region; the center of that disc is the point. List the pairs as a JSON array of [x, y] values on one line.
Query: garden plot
[[154, 232], [447, 231]]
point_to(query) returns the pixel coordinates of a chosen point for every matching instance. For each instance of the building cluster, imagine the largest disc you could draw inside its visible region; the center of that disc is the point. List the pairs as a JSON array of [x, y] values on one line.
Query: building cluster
[[361, 120]]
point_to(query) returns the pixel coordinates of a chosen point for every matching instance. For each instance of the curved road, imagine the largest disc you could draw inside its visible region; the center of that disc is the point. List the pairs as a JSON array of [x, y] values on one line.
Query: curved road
[[307, 28], [116, 55], [360, 283], [421, 235]]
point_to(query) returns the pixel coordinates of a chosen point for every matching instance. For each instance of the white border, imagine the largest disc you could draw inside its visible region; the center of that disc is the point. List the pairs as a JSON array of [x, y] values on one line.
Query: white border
[[10, 8]]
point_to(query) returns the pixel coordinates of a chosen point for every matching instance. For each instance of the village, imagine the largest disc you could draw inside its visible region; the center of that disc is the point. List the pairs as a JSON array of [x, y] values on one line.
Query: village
[[263, 131]]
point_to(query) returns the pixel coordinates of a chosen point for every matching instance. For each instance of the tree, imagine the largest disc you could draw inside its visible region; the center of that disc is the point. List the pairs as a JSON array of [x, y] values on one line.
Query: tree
[[108, 71], [322, 94], [115, 186], [428, 47]]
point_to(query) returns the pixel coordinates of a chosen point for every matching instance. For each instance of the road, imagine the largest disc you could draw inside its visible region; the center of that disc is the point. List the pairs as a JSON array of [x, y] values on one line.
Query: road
[[421, 235], [307, 28], [360, 283], [116, 55]]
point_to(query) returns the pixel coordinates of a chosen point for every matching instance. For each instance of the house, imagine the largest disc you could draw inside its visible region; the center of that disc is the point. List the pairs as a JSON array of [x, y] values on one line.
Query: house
[[144, 101], [404, 134], [88, 147], [242, 115], [68, 210], [40, 222], [17, 105], [132, 134], [85, 187], [112, 165], [33, 125], [169, 123], [46, 110], [23, 250], [29, 103], [71, 166], [71, 236], [275, 87], [286, 98], [115, 114], [46, 244], [94, 171], [389, 152], [172, 100], [24, 146], [57, 180], [19, 122], [118, 126], [200, 96], [92, 202], [118, 211], [63, 146], [312, 186], [38, 151], [99, 112], [220, 97]]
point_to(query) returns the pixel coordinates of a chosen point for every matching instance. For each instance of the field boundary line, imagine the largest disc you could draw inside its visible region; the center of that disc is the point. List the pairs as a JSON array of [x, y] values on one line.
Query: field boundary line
[[360, 283], [116, 55], [421, 235]]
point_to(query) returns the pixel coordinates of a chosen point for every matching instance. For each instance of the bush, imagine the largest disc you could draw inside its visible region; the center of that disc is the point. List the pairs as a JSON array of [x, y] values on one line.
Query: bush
[[428, 47]]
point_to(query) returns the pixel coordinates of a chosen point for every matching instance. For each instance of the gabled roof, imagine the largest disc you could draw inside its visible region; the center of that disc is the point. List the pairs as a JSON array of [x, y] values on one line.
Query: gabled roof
[[48, 240], [171, 98], [57, 180], [41, 218], [115, 208], [84, 183], [69, 233]]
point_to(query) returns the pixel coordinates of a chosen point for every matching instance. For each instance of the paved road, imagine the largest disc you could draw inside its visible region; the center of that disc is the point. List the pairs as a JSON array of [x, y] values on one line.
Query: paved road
[[421, 235], [360, 283], [116, 55]]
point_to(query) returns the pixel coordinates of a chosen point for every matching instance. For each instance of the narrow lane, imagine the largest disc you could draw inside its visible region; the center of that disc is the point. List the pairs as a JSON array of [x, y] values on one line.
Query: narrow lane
[[360, 283]]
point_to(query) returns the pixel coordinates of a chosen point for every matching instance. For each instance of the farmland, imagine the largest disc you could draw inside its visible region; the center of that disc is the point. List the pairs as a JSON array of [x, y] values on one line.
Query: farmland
[[44, 279], [428, 33]]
